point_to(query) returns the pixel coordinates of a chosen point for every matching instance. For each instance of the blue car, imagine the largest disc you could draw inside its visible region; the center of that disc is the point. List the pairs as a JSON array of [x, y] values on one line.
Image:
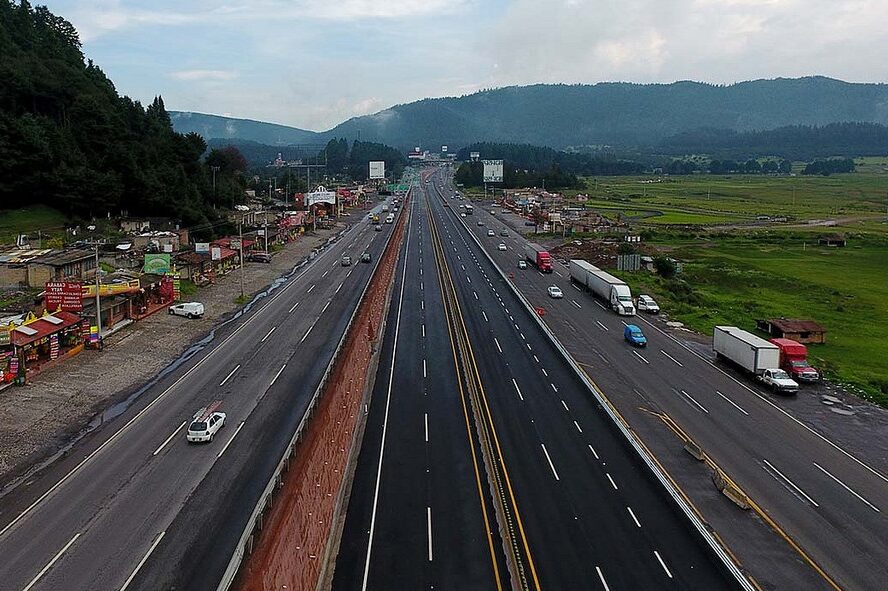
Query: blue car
[[634, 336]]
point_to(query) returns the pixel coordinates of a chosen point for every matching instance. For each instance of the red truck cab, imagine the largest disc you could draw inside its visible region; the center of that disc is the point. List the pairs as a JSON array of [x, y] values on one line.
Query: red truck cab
[[794, 360], [544, 262]]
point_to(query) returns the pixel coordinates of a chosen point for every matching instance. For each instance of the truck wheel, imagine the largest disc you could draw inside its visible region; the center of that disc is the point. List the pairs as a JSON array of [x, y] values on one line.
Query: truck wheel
[[190, 315], [171, 311]]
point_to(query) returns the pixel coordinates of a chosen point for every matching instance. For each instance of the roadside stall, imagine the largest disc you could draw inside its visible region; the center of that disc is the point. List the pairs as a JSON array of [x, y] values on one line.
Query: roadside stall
[[41, 342]]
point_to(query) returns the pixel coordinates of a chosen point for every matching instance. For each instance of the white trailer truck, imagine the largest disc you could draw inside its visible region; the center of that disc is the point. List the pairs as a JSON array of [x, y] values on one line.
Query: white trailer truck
[[612, 290], [754, 354]]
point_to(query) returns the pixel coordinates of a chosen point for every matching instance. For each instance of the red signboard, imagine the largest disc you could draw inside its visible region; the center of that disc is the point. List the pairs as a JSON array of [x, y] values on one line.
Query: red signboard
[[65, 294]]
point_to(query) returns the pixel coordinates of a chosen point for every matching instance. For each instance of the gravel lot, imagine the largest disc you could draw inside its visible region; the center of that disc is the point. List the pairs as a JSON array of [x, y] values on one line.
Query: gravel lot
[[41, 418]]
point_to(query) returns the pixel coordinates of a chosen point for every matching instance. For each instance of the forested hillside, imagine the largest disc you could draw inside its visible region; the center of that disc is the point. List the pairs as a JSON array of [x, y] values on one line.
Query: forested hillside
[[68, 140]]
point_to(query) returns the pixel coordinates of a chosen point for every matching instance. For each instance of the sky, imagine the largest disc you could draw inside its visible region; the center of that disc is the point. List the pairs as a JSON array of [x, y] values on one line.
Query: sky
[[315, 63]]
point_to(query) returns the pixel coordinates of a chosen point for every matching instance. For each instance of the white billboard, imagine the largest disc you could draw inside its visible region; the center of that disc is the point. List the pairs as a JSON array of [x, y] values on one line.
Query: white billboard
[[474, 156], [320, 195], [443, 149], [493, 171], [202, 247], [377, 169]]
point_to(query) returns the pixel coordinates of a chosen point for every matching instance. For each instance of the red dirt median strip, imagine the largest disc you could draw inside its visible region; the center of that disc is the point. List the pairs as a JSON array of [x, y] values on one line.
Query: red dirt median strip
[[290, 551]]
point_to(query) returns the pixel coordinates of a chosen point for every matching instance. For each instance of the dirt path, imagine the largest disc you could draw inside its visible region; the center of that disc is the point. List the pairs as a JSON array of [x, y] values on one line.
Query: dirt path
[[40, 418]]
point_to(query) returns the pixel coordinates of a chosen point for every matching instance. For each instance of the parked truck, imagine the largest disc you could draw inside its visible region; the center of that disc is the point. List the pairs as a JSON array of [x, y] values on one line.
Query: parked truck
[[794, 360], [539, 256], [754, 355], [612, 290]]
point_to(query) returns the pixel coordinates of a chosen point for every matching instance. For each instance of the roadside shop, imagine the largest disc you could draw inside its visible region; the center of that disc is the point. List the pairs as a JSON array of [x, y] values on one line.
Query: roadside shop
[[43, 341]]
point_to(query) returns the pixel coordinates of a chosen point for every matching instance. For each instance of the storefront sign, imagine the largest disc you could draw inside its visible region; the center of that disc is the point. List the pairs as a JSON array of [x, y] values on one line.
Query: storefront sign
[[202, 247], [157, 264], [67, 295], [110, 289], [53, 346], [5, 339], [93, 334]]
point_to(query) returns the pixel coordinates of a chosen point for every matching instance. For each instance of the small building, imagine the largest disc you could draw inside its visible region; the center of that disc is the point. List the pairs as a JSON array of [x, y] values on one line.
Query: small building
[[59, 264], [40, 342], [202, 268], [803, 331], [157, 241], [833, 240]]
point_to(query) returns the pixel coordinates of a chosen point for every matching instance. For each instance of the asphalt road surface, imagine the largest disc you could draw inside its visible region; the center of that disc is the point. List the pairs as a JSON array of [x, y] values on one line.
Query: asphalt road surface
[[832, 503], [136, 497], [588, 513]]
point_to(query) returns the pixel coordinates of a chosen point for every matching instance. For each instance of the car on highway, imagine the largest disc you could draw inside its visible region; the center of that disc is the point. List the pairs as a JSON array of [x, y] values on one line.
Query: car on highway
[[260, 257], [555, 292], [491, 233], [346, 261], [647, 304], [480, 223], [366, 258], [205, 423], [463, 214], [378, 227], [522, 264], [188, 309], [504, 232], [633, 335], [501, 246]]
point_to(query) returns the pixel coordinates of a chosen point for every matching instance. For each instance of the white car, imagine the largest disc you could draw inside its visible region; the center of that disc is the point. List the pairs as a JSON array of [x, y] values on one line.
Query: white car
[[522, 264], [188, 309], [501, 246], [491, 233], [647, 304], [480, 223], [205, 423], [462, 214], [555, 292]]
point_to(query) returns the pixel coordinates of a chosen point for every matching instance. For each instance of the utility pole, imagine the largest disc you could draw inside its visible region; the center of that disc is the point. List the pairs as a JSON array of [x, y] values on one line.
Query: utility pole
[[214, 169], [265, 232], [240, 231], [98, 297]]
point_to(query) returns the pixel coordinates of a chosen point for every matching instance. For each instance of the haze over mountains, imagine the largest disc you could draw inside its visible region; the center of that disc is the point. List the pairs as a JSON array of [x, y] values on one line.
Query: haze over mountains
[[617, 114]]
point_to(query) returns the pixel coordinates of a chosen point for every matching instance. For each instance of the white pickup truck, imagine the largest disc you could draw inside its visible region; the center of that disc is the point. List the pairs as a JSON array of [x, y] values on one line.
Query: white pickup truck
[[779, 381]]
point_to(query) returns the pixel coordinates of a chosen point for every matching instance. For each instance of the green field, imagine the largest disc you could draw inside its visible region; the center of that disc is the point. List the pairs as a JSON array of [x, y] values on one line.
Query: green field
[[28, 220]]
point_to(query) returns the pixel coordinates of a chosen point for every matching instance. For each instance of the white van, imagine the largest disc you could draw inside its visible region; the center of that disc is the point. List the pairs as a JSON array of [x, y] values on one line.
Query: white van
[[390, 218]]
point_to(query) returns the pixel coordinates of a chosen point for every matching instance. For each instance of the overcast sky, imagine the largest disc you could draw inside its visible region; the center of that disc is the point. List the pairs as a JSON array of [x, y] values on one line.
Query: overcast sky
[[315, 63]]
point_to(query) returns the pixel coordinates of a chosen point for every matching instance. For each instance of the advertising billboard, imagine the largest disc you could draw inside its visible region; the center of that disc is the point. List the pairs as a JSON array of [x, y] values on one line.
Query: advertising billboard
[[493, 171], [474, 156], [202, 247], [158, 264], [443, 149], [377, 169], [320, 195], [67, 295]]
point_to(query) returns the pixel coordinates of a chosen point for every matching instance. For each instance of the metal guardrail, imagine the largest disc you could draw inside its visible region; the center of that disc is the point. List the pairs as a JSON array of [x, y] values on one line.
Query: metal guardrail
[[267, 495], [649, 461]]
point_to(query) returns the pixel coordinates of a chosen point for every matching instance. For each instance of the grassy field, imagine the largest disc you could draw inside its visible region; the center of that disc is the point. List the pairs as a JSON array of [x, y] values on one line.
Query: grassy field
[[29, 219]]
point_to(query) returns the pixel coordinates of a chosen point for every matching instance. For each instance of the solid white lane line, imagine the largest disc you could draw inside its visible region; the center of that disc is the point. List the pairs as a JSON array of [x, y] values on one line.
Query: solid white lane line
[[425, 420], [143, 561], [429, 513], [732, 403], [632, 514], [305, 336], [671, 357], [290, 311], [639, 355], [485, 316], [236, 431], [338, 288], [580, 429], [846, 487], [423, 368], [575, 287], [601, 326], [601, 578], [168, 439], [475, 294], [663, 564], [613, 484], [310, 288], [268, 334], [277, 375], [790, 482], [498, 348], [517, 389], [550, 461], [324, 309], [51, 562], [594, 453], [574, 302], [222, 383], [697, 404]]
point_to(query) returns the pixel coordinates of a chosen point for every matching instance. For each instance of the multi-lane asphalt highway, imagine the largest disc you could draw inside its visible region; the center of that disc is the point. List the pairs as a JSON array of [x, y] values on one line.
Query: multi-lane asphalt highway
[[582, 511], [829, 501], [136, 497]]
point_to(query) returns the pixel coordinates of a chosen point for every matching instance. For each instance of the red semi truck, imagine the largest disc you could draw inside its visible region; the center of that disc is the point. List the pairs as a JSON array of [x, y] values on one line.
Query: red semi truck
[[539, 256], [794, 360]]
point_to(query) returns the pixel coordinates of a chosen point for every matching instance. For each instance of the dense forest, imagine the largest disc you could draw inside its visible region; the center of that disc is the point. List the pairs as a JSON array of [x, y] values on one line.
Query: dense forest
[[797, 142], [68, 140], [526, 165], [355, 161]]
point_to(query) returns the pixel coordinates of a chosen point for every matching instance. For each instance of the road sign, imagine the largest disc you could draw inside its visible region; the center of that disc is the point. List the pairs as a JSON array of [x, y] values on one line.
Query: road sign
[[377, 169], [493, 171]]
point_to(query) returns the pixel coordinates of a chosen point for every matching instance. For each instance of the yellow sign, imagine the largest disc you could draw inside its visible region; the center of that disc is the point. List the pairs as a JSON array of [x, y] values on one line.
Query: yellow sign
[[110, 289]]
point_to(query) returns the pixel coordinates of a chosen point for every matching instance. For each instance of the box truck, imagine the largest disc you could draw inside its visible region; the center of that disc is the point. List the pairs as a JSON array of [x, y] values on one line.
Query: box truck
[[539, 256], [612, 290], [753, 354], [794, 360]]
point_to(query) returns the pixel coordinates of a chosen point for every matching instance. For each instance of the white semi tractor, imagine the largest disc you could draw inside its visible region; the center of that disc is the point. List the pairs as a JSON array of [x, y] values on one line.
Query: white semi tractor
[[612, 290]]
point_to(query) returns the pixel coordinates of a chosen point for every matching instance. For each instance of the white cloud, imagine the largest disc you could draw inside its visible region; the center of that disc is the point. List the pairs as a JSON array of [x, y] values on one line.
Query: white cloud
[[193, 75]]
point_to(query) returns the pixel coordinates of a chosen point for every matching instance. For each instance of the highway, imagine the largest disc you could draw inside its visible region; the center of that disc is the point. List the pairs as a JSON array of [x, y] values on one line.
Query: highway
[[133, 505], [829, 501], [583, 511]]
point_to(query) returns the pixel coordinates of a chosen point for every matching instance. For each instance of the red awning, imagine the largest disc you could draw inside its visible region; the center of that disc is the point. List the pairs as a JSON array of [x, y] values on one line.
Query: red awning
[[43, 328]]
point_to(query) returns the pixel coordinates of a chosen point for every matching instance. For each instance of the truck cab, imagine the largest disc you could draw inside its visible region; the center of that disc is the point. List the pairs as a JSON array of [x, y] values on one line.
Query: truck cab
[[794, 360], [621, 300]]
